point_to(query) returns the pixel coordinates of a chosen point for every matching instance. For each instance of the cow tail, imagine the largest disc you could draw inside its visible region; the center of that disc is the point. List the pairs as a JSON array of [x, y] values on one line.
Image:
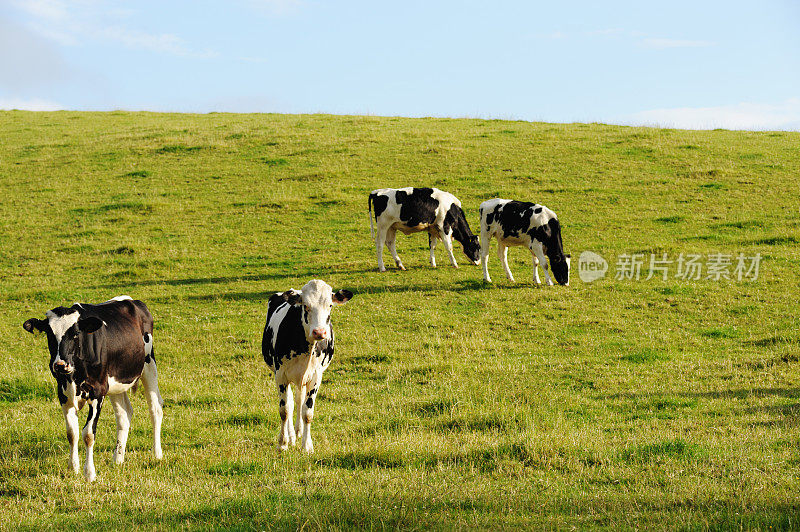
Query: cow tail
[[371, 224]]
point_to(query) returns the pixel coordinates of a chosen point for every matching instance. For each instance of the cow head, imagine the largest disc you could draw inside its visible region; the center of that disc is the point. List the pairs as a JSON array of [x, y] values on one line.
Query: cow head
[[317, 299], [554, 249], [63, 328], [472, 249], [559, 265]]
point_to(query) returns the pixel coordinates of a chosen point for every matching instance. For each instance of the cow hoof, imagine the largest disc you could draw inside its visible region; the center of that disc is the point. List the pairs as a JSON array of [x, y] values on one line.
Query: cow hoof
[[90, 476], [381, 270], [403, 268]]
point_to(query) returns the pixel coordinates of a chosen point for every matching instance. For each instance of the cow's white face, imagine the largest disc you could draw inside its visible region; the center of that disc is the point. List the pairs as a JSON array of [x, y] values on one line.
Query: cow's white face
[[63, 327], [318, 299]]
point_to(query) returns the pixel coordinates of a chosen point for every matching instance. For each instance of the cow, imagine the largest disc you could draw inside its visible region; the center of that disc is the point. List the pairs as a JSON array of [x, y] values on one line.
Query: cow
[[297, 345], [518, 223], [412, 210], [97, 351]]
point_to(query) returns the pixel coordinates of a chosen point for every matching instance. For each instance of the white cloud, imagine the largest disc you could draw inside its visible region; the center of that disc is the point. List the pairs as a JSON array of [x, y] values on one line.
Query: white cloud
[[75, 23], [160, 43], [750, 116], [28, 61], [661, 44], [47, 9], [29, 105]]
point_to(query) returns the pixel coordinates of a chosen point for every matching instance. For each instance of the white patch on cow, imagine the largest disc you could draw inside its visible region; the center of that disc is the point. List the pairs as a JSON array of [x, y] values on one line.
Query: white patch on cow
[[115, 387], [318, 301], [276, 319], [148, 344], [121, 298], [60, 324]]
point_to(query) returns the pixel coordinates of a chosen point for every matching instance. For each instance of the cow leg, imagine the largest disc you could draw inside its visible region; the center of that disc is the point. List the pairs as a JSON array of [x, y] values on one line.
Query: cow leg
[[89, 431], [298, 422], [380, 238], [502, 254], [154, 403], [432, 244], [485, 255], [448, 245], [308, 413], [391, 238], [71, 419], [123, 412], [286, 410], [539, 254], [535, 269]]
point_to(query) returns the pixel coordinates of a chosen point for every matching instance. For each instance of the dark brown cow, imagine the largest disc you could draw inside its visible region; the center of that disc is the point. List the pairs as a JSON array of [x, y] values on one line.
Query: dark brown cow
[[98, 351]]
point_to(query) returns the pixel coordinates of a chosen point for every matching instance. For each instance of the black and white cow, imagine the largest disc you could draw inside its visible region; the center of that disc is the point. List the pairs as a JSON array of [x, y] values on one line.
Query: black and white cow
[[98, 351], [298, 346], [411, 210], [517, 223]]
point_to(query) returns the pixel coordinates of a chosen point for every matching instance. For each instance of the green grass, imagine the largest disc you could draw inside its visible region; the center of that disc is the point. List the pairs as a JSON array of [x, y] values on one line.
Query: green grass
[[449, 403]]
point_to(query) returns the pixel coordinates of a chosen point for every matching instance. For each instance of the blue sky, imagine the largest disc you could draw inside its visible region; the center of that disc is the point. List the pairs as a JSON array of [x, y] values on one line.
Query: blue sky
[[698, 64]]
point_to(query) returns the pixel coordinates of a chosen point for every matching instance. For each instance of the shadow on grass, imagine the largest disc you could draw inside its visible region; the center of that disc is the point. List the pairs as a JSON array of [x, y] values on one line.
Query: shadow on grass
[[458, 286], [741, 393]]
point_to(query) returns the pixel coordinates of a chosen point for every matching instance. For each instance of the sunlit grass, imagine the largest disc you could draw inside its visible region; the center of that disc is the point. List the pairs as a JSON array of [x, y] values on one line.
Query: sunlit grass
[[449, 403]]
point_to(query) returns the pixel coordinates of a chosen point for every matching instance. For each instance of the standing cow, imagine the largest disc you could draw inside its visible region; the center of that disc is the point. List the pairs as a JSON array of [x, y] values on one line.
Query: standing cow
[[298, 346], [517, 223], [98, 351], [411, 210]]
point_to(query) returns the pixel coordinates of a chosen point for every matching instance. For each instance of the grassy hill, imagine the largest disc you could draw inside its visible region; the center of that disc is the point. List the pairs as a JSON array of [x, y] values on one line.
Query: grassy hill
[[449, 403]]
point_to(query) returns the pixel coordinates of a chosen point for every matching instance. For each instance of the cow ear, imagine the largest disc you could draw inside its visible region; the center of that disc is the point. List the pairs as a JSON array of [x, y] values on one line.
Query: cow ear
[[90, 324], [34, 326], [341, 297], [292, 297]]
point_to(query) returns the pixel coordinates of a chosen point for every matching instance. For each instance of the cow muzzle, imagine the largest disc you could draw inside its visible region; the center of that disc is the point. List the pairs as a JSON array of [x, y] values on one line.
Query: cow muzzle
[[63, 368], [319, 333]]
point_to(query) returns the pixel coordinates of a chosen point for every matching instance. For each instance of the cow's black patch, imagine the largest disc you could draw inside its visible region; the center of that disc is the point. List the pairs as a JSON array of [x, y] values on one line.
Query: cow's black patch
[[379, 203], [290, 337], [512, 218], [455, 220], [99, 404], [325, 349], [282, 388], [418, 207], [281, 403], [537, 210], [310, 402], [62, 382]]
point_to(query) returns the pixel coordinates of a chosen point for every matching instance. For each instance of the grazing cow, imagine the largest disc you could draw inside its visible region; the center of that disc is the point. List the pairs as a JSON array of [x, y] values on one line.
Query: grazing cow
[[517, 223], [298, 346], [420, 209], [98, 351]]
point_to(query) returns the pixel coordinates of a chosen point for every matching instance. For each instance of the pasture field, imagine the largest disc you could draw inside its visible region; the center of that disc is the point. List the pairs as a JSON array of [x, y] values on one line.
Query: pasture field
[[616, 404]]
